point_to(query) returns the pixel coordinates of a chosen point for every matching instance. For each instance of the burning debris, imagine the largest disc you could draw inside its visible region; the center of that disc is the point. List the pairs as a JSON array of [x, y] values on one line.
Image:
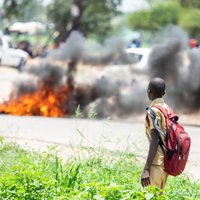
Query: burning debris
[[118, 90], [45, 101], [48, 97]]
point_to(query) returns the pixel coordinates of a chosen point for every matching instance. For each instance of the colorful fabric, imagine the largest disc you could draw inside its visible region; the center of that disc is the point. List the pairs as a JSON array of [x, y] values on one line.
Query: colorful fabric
[[149, 125]]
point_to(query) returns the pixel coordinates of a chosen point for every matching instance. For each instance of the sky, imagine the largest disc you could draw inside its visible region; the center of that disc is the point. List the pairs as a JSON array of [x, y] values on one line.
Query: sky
[[132, 5]]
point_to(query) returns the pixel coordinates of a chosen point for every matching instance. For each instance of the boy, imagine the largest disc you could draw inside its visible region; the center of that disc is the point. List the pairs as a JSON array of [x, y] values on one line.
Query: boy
[[153, 173]]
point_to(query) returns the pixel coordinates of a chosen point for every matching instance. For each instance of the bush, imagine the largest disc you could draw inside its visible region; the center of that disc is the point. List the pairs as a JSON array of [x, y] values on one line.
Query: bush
[[108, 176], [155, 18]]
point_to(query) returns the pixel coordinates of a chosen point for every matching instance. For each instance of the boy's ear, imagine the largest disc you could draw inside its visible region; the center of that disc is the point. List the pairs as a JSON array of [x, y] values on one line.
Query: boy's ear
[[163, 93]]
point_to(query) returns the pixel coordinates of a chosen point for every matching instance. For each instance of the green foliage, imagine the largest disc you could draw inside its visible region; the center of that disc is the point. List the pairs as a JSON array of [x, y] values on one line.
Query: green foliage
[[190, 20], [164, 14], [139, 20], [95, 16], [78, 113], [23, 10], [106, 176], [59, 12], [155, 18], [190, 3], [92, 112], [184, 13], [13, 8], [181, 188]]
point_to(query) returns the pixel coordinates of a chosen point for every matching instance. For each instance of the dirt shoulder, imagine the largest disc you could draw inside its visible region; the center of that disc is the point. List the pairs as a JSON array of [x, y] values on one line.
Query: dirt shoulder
[[192, 119]]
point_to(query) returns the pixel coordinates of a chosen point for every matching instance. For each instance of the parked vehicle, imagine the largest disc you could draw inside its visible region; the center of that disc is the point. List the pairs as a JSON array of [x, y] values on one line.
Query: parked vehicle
[[10, 56], [139, 56]]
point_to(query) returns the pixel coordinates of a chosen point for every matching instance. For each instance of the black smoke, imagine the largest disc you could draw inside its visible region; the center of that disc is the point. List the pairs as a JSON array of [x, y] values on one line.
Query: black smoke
[[172, 60], [187, 93], [106, 92], [165, 60]]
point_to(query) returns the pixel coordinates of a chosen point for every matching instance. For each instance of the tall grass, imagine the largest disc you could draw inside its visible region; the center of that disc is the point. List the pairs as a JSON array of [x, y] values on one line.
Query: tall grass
[[100, 176]]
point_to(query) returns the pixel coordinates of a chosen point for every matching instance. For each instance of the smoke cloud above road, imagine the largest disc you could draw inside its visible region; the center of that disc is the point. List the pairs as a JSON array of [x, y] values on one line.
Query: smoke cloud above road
[[169, 60], [120, 90], [77, 48], [165, 60]]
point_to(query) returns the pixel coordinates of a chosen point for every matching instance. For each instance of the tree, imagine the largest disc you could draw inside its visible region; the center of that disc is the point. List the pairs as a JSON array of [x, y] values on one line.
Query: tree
[[22, 10], [190, 21], [156, 17], [190, 3], [139, 20], [183, 3], [12, 8], [87, 16], [185, 13], [164, 14], [190, 16], [59, 14]]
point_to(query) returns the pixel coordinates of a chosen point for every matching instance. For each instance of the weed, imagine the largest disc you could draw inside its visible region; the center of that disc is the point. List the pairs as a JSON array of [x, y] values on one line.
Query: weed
[[31, 176]]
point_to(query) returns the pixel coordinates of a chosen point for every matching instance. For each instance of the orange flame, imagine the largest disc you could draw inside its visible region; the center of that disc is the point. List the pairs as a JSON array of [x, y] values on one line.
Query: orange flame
[[46, 101]]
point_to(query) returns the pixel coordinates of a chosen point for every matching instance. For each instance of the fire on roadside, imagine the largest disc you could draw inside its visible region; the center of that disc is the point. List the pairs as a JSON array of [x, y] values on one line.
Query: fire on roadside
[[48, 101]]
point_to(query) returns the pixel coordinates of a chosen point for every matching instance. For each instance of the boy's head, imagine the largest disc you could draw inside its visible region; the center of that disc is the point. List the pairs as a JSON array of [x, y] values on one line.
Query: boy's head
[[156, 88]]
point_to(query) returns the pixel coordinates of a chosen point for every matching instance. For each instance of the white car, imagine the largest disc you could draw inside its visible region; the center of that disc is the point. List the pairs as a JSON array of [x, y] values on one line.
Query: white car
[[10, 56], [139, 56]]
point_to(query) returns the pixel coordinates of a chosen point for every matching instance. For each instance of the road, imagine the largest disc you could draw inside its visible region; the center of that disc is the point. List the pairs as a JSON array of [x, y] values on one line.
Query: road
[[72, 134]]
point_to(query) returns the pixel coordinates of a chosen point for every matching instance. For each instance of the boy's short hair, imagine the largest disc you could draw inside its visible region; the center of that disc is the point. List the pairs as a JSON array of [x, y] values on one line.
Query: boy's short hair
[[157, 86]]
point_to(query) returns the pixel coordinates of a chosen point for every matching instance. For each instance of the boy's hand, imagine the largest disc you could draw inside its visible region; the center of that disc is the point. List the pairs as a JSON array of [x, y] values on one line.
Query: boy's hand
[[145, 178]]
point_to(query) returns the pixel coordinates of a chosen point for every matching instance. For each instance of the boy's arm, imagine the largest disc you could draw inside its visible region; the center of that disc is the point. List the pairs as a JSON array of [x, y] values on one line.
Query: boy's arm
[[145, 177]]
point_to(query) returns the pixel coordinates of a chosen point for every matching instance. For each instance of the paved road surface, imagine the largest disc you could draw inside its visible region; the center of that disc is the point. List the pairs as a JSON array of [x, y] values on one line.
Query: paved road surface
[[39, 132]]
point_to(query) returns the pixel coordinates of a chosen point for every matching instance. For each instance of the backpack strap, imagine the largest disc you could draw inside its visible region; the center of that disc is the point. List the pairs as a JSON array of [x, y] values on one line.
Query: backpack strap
[[171, 115], [168, 115], [155, 121], [158, 128]]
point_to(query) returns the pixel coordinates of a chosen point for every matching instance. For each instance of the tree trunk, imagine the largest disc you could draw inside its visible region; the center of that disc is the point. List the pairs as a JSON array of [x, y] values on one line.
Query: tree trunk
[[74, 25]]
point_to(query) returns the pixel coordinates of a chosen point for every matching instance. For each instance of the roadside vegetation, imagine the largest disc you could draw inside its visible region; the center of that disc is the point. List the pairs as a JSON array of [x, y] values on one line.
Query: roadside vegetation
[[184, 14], [98, 175]]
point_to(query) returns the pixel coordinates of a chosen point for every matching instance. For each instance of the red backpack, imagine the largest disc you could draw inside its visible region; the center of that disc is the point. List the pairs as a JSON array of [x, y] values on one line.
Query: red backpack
[[177, 142]]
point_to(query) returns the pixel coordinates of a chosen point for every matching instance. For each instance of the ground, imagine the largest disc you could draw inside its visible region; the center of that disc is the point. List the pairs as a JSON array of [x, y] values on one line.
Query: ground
[[70, 135]]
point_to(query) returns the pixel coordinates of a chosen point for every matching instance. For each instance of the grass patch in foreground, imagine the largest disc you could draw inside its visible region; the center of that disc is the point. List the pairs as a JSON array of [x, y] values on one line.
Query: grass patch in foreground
[[106, 176]]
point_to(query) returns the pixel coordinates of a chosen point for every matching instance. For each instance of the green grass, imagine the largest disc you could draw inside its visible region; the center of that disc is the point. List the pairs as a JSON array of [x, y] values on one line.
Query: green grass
[[101, 176]]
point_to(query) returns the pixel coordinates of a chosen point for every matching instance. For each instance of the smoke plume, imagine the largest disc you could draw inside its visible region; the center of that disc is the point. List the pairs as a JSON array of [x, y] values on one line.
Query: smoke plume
[[168, 60], [77, 48], [71, 49], [187, 93], [165, 60], [48, 72], [119, 90]]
